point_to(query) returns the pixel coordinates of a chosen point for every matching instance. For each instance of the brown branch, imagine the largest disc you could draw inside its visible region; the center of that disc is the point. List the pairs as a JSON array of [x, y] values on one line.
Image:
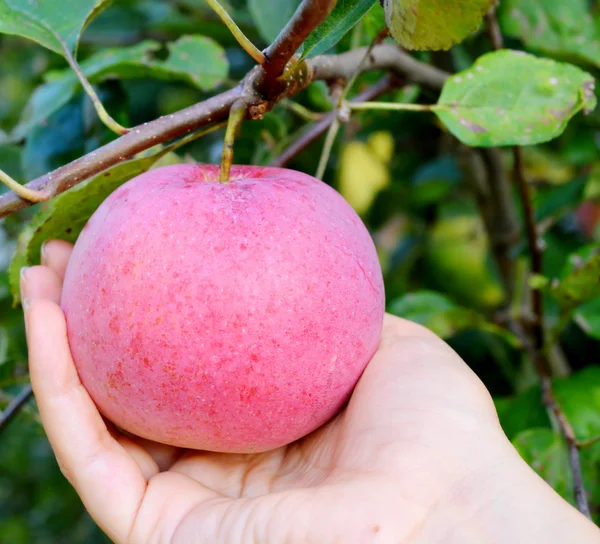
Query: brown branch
[[505, 230], [13, 408], [309, 15], [572, 445], [216, 109], [386, 57], [536, 349], [534, 245], [319, 128]]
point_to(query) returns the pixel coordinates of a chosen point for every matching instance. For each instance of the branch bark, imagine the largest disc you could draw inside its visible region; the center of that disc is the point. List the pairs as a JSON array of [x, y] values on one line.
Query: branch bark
[[13, 408], [320, 127], [309, 15], [215, 109], [536, 348]]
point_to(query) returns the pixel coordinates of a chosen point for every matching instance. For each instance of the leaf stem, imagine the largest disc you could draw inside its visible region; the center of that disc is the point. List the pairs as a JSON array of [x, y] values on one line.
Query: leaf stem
[[390, 106], [87, 87], [241, 38], [237, 114], [20, 190], [327, 147], [301, 111]]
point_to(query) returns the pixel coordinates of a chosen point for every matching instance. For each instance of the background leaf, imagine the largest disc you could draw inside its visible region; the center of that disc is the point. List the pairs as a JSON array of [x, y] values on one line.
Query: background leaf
[[196, 60], [433, 24], [42, 19], [510, 98], [563, 29], [587, 316], [439, 314], [342, 18], [580, 280], [64, 216], [547, 454], [271, 19]]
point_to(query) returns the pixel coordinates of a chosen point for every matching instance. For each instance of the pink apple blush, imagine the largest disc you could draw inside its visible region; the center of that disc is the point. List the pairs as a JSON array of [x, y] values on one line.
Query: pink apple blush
[[232, 317]]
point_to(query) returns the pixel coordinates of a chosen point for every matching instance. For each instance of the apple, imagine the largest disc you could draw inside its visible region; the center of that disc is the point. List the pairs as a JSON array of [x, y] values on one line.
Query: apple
[[231, 317]]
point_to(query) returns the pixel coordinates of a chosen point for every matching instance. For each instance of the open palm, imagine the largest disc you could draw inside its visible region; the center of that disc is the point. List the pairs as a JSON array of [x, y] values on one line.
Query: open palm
[[414, 444]]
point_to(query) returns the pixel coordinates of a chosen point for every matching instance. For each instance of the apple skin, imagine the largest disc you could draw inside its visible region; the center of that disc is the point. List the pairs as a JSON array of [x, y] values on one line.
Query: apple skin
[[231, 317]]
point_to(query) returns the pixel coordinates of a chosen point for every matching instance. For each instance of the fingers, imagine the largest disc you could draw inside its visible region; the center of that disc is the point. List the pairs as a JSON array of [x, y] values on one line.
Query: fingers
[[107, 478], [55, 255]]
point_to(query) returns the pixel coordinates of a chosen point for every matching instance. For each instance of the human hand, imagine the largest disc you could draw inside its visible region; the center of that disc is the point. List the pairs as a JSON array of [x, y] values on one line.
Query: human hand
[[418, 456]]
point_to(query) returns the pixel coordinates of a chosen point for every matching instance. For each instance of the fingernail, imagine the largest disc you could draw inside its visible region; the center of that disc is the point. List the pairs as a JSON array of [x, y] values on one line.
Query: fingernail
[[26, 304], [23, 272], [43, 253]]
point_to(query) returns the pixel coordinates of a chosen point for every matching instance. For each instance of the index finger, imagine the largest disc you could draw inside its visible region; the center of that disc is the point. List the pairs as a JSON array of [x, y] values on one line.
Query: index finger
[[109, 481]]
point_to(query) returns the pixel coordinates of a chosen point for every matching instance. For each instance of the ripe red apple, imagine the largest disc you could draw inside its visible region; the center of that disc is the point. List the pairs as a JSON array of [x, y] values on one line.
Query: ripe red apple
[[233, 317]]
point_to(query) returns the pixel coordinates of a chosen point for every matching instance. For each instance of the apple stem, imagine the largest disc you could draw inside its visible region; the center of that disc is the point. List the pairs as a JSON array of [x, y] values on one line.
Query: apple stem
[[241, 38], [23, 192], [237, 114]]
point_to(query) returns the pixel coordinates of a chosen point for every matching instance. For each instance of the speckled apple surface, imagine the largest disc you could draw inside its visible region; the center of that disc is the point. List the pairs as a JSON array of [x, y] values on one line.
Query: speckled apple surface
[[231, 317]]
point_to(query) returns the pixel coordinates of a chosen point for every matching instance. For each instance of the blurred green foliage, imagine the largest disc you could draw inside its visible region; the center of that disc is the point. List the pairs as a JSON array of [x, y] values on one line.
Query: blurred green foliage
[[432, 243]]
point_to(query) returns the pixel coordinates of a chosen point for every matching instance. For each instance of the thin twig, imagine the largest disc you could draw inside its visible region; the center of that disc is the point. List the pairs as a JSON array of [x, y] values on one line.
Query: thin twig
[[302, 111], [535, 252], [241, 38], [104, 116], [327, 147], [589, 442], [342, 113], [21, 190], [13, 408], [215, 109], [572, 445], [536, 349], [309, 15], [319, 128]]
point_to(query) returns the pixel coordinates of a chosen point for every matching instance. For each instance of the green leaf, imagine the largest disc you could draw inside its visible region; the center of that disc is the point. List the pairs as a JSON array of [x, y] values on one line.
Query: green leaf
[[511, 98], [433, 24], [554, 27], [45, 21], [271, 19], [579, 398], [439, 314], [546, 452], [374, 21], [343, 17], [196, 60], [553, 202], [587, 316], [65, 216], [580, 279]]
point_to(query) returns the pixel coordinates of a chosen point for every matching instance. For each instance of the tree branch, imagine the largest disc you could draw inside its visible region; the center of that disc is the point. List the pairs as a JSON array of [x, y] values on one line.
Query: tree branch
[[215, 109], [386, 57], [13, 408], [320, 127], [536, 349], [309, 15]]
